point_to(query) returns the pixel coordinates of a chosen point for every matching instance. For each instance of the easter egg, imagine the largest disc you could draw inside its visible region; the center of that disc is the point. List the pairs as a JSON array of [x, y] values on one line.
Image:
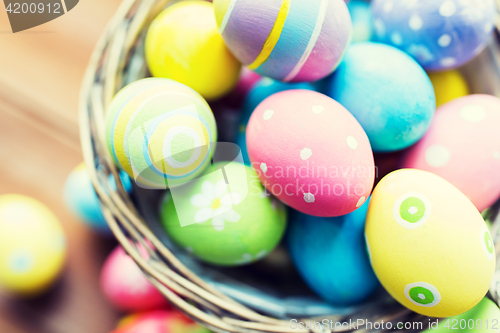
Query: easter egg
[[159, 322], [428, 244], [287, 40], [463, 146], [330, 255], [362, 20], [311, 153], [125, 285], [32, 246], [221, 223], [439, 34], [261, 90], [160, 132], [183, 44], [388, 93], [481, 318], [448, 85], [82, 199]]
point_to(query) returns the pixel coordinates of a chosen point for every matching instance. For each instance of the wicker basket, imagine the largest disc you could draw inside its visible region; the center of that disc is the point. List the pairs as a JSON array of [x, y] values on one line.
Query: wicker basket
[[230, 300]]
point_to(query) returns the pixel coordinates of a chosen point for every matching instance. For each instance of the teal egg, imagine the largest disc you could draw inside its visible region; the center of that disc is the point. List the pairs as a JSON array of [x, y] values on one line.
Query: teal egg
[[82, 200], [330, 254], [387, 91]]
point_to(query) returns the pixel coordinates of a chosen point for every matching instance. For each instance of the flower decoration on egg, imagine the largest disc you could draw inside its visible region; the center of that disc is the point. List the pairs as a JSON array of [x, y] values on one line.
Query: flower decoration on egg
[[224, 217], [215, 203]]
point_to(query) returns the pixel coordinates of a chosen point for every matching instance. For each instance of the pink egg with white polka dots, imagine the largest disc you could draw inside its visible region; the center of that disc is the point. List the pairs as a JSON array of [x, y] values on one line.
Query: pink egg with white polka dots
[[311, 153], [125, 285], [463, 147]]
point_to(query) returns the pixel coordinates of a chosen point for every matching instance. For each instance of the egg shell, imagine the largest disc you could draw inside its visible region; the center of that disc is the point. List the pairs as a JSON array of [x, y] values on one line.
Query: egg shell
[[311, 153], [330, 255], [439, 34], [288, 40], [463, 146], [448, 85], [159, 132], [481, 318], [82, 200], [388, 93], [262, 90], [125, 285], [228, 225], [159, 322], [362, 20], [32, 246], [428, 244], [183, 44]]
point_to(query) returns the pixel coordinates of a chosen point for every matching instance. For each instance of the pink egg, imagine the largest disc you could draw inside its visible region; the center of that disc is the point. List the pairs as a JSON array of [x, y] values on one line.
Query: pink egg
[[311, 153], [125, 285], [463, 147]]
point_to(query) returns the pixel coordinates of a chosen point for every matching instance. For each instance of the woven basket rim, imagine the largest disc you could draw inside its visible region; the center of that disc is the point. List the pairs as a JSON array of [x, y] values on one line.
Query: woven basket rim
[[199, 300]]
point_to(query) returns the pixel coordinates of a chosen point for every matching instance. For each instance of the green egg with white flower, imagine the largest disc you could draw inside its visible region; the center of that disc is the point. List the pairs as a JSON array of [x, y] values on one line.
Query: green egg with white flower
[[224, 217]]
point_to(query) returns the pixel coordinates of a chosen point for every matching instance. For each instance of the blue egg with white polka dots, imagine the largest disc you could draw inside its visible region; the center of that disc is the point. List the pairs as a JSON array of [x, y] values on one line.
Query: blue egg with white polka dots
[[330, 254], [387, 91], [439, 34], [82, 199], [362, 20], [264, 88]]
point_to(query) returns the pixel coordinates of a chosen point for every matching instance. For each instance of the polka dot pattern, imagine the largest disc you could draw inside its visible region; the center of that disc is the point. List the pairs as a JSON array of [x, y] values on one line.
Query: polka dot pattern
[[440, 34], [473, 113], [305, 154], [444, 40], [437, 156], [412, 210], [317, 109], [416, 23], [312, 154], [309, 197], [268, 114], [487, 243], [448, 150], [422, 294], [352, 142]]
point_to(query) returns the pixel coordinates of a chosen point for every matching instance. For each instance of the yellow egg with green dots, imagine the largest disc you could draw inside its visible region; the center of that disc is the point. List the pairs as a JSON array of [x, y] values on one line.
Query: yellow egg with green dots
[[429, 246], [32, 246], [160, 132], [448, 86], [184, 44]]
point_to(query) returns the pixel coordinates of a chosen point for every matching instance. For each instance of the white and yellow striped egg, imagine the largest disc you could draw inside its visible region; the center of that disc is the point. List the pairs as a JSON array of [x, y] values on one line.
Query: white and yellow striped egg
[[160, 132]]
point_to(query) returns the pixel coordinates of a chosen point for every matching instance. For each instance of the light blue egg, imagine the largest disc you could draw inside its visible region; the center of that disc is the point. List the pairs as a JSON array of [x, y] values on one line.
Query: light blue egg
[[264, 88], [387, 91], [330, 254], [362, 20], [440, 34], [82, 200]]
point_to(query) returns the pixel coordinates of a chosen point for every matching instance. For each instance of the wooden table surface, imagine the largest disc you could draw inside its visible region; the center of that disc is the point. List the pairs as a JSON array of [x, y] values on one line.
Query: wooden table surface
[[40, 74]]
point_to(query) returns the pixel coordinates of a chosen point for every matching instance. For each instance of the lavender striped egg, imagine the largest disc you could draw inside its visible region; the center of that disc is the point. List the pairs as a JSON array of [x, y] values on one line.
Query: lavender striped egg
[[287, 40], [439, 34]]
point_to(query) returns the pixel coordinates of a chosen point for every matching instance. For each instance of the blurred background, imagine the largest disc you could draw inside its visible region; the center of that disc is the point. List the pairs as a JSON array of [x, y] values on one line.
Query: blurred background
[[41, 70]]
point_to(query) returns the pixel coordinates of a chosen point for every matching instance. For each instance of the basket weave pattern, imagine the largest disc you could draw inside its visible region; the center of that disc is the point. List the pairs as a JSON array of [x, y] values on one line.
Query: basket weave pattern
[[116, 61]]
